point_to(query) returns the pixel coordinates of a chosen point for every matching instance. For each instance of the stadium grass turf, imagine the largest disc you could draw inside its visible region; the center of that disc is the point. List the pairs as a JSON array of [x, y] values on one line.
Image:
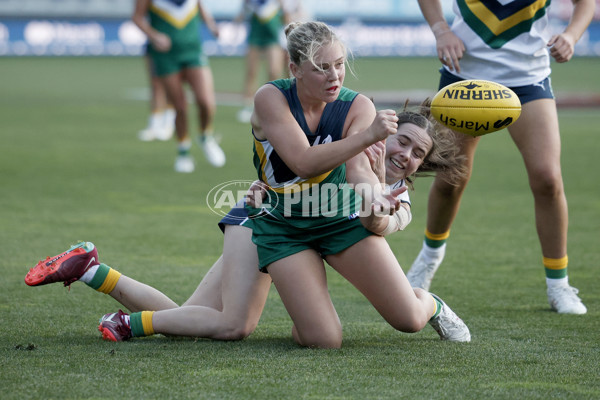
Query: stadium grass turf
[[71, 168]]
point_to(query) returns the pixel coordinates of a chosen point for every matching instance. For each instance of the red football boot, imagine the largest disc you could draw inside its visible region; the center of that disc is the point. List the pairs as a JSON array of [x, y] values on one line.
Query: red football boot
[[66, 267]]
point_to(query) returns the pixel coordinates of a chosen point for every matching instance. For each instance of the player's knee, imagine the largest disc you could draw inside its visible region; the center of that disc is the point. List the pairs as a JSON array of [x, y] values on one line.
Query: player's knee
[[329, 338], [322, 342], [411, 319], [547, 183], [236, 330], [239, 333], [449, 190], [410, 323]]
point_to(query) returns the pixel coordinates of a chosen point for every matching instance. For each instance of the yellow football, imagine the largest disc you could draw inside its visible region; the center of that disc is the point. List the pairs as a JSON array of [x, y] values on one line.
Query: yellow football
[[476, 107]]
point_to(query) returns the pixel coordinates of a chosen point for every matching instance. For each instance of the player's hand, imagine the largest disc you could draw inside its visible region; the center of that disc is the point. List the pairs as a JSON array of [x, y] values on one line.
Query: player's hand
[[161, 42], [450, 49], [562, 47], [376, 155], [256, 193], [387, 203], [384, 124]]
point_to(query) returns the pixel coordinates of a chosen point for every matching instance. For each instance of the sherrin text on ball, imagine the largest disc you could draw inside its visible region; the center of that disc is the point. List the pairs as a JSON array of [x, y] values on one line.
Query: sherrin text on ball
[[476, 107]]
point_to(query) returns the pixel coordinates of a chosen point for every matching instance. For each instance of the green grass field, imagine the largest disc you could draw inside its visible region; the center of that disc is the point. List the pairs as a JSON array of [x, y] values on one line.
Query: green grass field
[[71, 168]]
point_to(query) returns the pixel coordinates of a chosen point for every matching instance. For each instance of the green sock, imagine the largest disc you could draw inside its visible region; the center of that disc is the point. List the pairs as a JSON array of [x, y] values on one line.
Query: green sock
[[141, 323], [438, 308], [99, 277], [434, 240], [556, 268]]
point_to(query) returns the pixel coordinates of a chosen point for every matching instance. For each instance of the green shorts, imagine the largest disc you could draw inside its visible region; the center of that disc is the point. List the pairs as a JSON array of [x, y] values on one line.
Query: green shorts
[[264, 34], [277, 238], [177, 59]]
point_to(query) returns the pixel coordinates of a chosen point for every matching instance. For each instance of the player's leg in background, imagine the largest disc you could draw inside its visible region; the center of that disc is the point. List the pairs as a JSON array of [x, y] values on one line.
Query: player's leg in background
[[442, 207], [252, 65], [275, 61], [161, 121], [201, 82], [173, 84], [536, 134]]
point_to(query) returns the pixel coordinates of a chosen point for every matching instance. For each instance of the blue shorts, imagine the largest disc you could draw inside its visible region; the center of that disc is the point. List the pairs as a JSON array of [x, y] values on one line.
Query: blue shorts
[[540, 90], [238, 215]]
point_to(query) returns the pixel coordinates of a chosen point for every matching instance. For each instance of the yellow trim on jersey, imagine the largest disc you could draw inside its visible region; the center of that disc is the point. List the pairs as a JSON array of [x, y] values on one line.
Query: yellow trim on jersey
[[260, 152], [110, 282], [265, 20], [499, 26], [177, 21], [291, 186], [556, 263], [437, 236], [301, 186]]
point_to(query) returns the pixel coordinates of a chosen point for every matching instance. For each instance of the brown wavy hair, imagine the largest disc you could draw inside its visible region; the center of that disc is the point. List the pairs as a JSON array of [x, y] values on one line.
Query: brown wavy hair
[[444, 156]]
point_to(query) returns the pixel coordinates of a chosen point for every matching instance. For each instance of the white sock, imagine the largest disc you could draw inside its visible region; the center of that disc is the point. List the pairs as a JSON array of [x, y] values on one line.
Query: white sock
[[89, 274], [561, 282], [155, 121], [169, 118], [433, 253]]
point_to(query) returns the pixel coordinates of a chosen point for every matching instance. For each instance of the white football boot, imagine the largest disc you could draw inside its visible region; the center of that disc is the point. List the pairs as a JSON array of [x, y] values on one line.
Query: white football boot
[[167, 127], [184, 164], [564, 300], [449, 326], [214, 154]]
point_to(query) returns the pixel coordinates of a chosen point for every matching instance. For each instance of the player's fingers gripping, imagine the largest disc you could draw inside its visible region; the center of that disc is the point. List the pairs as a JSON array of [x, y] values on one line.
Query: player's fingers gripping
[[376, 151], [390, 122], [376, 154], [256, 193]]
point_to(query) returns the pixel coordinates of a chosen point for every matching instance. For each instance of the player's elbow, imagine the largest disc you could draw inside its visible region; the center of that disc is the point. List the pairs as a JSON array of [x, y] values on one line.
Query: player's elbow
[[305, 170]]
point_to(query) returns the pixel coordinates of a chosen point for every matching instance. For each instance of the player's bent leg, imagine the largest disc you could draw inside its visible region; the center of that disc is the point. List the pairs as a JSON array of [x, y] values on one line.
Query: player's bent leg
[[372, 268], [301, 282], [242, 290], [235, 286], [245, 288], [386, 287], [208, 293], [82, 259]]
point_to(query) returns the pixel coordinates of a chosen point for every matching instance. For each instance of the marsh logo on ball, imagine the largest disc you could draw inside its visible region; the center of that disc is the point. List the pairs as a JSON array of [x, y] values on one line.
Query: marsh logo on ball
[[476, 107]]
